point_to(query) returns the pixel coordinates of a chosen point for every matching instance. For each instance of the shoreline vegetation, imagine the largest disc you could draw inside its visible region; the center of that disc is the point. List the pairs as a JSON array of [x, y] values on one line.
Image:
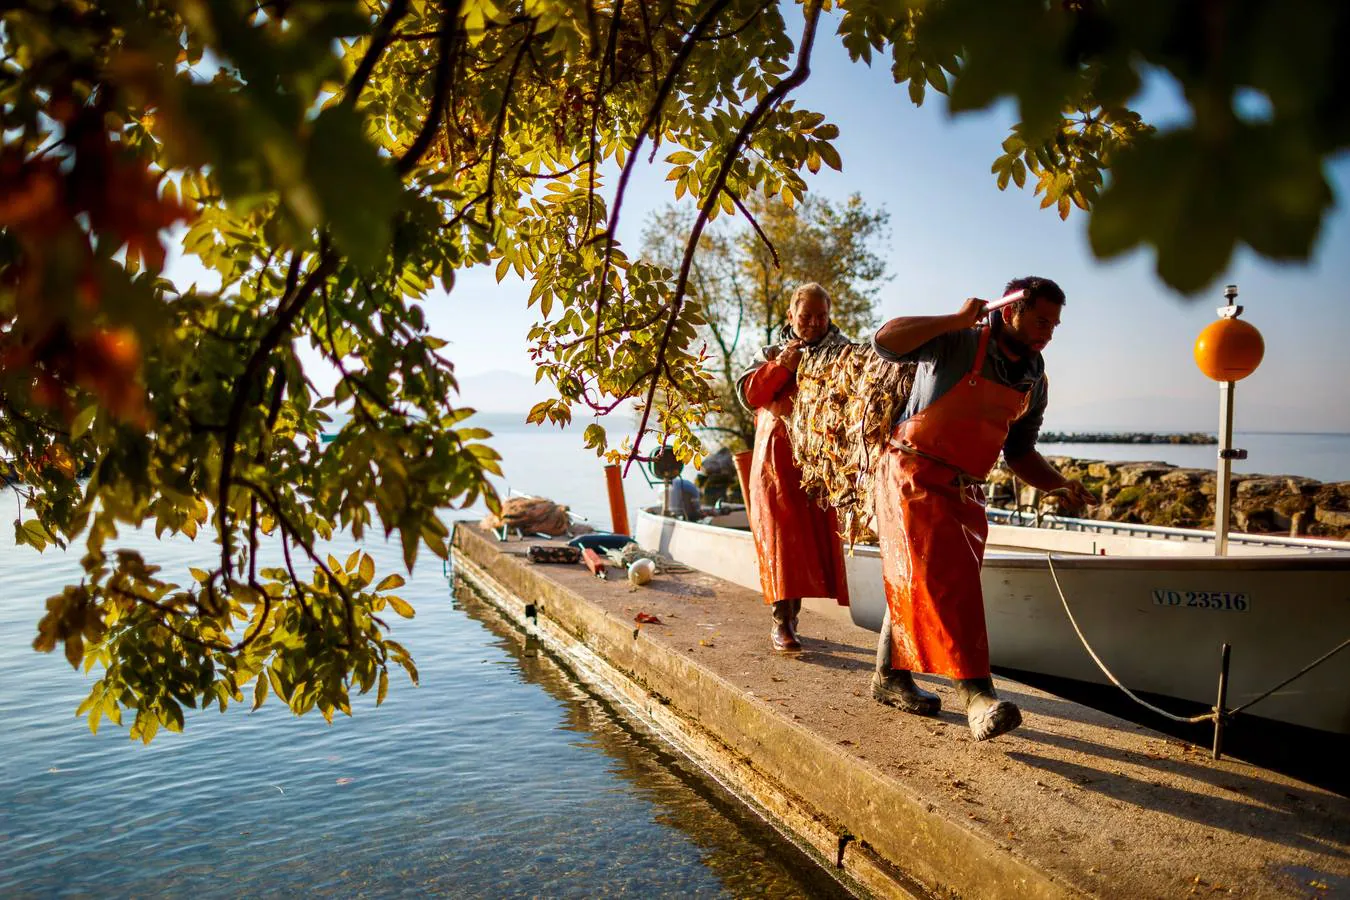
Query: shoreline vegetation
[[1125, 437]]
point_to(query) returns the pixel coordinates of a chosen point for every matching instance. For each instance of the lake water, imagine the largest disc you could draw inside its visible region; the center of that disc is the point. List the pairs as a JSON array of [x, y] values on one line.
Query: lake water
[[500, 776], [553, 463]]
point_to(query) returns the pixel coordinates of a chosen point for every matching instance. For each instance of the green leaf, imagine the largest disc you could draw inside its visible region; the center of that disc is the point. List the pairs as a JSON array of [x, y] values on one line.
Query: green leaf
[[390, 582], [83, 421], [401, 606], [358, 191]]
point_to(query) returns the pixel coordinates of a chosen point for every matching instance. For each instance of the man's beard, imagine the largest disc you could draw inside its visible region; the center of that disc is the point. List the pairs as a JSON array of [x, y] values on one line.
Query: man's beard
[[1010, 342]]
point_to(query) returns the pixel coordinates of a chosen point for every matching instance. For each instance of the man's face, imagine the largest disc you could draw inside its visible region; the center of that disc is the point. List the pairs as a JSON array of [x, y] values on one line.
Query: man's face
[[1035, 325], [811, 318]]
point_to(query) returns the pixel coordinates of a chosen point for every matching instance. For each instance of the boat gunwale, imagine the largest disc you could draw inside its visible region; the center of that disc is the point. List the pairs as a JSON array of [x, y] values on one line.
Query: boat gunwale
[[1333, 561]]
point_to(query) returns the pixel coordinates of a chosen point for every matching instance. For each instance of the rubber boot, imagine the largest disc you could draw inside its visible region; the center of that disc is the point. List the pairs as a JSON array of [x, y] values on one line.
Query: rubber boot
[[784, 634], [896, 687], [987, 715]]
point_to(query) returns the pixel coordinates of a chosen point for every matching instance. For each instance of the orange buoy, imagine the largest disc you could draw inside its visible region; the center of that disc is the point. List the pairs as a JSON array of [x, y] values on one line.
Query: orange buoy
[[1229, 349]]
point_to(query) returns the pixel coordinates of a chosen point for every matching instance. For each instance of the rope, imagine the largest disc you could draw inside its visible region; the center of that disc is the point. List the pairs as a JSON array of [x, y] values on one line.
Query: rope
[[1213, 714], [1299, 674], [1210, 716]]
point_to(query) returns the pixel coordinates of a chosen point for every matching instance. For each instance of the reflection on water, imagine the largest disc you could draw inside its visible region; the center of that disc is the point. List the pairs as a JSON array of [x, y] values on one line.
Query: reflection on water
[[747, 855], [477, 784]]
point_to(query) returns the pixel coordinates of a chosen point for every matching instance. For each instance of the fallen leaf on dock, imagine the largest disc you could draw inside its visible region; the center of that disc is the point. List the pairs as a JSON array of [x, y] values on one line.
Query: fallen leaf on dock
[[643, 618]]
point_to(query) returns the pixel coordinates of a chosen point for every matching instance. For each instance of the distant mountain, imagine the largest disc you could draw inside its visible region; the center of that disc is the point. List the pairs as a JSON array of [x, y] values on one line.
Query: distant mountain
[[501, 391]]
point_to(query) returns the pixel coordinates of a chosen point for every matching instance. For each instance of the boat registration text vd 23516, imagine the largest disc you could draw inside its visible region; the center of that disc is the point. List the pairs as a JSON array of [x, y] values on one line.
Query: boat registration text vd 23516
[[1231, 601]]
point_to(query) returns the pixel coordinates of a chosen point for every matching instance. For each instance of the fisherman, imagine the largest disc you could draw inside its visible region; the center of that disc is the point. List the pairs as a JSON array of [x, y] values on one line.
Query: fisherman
[[685, 499], [979, 389], [797, 542]]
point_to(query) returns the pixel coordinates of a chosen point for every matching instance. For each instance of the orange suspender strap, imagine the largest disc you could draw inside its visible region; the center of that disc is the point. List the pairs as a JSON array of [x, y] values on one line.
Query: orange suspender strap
[[979, 353]]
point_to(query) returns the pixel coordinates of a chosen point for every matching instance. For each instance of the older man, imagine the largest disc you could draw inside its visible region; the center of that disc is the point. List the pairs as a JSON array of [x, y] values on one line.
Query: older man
[[800, 554], [979, 390]]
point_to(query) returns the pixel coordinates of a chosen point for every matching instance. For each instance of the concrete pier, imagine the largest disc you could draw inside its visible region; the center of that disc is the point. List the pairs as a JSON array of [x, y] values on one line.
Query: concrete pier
[[1074, 803]]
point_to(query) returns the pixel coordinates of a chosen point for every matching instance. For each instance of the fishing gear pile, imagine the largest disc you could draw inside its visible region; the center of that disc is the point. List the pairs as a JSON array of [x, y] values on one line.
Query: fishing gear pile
[[847, 399]]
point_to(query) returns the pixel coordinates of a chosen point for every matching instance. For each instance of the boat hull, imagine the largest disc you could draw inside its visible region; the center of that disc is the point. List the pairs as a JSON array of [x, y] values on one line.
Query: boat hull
[[1157, 621]]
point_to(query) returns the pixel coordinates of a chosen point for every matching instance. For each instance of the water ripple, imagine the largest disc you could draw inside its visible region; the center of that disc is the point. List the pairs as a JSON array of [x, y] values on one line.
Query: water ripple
[[497, 777]]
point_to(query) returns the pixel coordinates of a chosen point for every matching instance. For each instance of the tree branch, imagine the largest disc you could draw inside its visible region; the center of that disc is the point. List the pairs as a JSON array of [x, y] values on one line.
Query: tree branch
[[496, 145], [445, 65], [653, 116], [795, 79], [755, 225], [380, 39]]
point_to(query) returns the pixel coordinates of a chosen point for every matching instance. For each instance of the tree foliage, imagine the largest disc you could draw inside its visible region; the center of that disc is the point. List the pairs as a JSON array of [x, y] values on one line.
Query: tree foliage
[[335, 162], [744, 276]]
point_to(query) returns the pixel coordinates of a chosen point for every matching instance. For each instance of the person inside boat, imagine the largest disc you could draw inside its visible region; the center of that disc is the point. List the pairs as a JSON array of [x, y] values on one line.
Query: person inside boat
[[684, 498], [979, 389], [797, 542]]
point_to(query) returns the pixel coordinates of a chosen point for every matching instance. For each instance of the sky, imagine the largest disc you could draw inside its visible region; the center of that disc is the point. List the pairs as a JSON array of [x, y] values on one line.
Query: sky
[[1122, 359]]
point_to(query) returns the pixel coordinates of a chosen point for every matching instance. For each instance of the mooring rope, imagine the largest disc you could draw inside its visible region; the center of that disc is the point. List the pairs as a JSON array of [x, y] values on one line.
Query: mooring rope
[[1299, 674], [1214, 712], [1210, 716]]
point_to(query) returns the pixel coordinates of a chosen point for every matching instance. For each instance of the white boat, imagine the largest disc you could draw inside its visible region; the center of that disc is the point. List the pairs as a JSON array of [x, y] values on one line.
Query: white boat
[[1155, 604]]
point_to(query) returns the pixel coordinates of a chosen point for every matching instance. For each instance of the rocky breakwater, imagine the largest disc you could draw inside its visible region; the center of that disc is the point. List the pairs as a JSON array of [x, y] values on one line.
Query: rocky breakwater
[[1128, 437], [1156, 493]]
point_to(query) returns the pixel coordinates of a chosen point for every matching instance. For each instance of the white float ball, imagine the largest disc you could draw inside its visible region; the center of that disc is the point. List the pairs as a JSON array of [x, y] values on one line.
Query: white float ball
[[641, 571]]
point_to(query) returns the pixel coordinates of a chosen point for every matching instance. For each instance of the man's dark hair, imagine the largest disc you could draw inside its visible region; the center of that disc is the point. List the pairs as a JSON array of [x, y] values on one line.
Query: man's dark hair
[[1037, 288]]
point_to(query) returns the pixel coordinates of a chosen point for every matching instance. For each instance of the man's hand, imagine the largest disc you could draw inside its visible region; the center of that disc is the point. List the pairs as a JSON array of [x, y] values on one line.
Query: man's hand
[[971, 313], [1074, 494], [791, 355]]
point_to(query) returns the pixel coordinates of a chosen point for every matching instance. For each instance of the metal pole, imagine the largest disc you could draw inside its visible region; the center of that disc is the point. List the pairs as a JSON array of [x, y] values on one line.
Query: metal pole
[[1223, 488], [1219, 714]]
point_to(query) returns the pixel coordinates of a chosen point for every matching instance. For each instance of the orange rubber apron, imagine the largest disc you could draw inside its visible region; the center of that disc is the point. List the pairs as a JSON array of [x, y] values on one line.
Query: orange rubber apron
[[798, 545], [932, 527]]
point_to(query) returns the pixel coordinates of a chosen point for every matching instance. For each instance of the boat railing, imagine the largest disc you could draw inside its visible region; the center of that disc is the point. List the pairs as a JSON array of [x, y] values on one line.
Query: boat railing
[[1038, 519]]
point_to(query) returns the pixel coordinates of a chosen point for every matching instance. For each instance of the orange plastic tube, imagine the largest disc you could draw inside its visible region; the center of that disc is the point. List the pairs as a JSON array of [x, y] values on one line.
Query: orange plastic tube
[[618, 507], [743, 473]]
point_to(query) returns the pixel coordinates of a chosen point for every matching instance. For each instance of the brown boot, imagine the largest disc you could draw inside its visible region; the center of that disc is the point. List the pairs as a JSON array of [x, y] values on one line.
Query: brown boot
[[784, 634], [896, 687], [987, 715]]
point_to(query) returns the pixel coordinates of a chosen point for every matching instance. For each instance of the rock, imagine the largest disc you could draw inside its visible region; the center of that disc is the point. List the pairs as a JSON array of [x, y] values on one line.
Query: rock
[[1102, 469], [1183, 478], [1297, 484], [1261, 486], [1142, 473], [1333, 518], [1256, 521]]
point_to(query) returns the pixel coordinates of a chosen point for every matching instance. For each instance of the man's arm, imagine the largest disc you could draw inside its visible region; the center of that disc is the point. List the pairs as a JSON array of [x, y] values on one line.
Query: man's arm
[[765, 381], [906, 334], [1032, 468]]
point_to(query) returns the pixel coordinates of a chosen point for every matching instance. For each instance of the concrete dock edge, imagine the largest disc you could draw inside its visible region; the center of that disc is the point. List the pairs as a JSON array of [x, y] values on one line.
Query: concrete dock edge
[[885, 839]]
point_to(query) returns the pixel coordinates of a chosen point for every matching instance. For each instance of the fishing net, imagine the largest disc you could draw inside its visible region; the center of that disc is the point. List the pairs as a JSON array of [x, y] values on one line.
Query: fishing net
[[530, 515], [847, 399]]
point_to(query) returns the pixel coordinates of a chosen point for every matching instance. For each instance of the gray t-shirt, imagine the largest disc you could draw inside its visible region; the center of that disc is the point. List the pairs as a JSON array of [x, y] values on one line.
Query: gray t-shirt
[[944, 360]]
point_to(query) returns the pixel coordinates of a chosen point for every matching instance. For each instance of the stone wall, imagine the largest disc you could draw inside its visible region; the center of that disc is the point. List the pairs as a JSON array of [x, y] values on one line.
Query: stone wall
[[1156, 493]]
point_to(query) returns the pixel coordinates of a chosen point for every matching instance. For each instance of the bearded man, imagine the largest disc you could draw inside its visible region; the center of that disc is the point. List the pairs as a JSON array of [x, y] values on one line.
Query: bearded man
[[979, 390]]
